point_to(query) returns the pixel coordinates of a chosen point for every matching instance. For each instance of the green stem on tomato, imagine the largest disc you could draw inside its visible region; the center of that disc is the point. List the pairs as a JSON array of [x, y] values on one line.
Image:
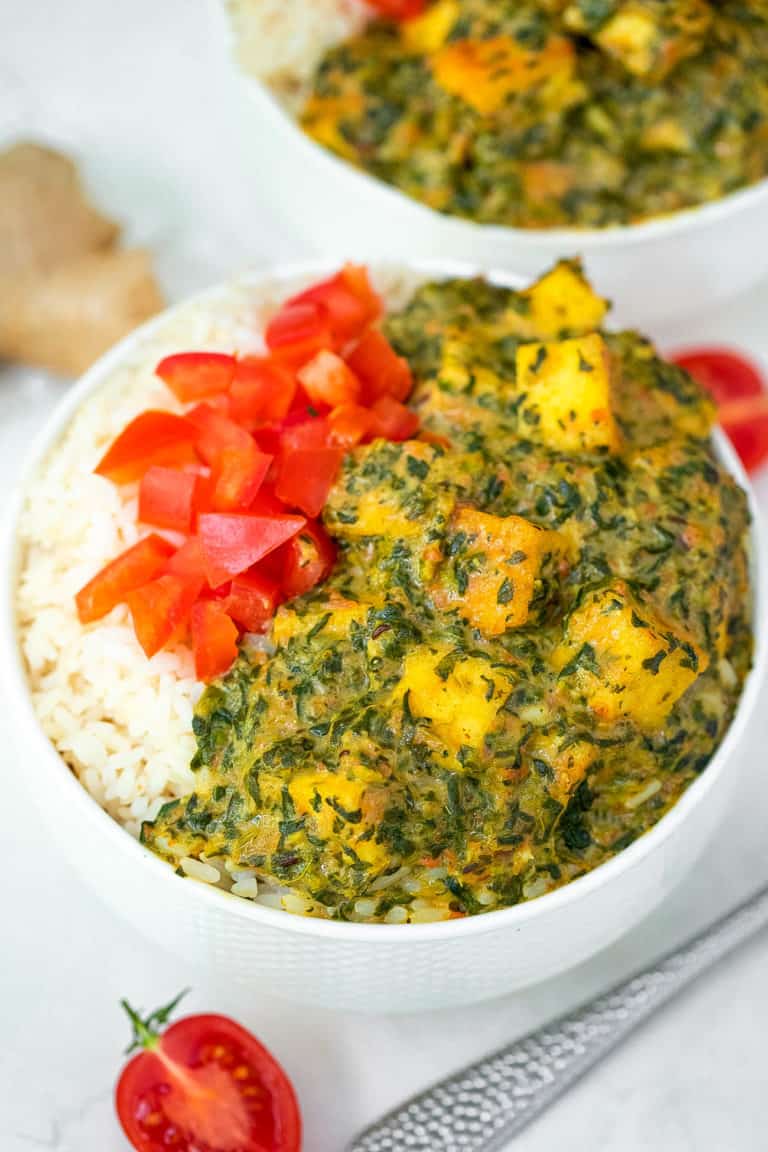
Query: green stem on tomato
[[146, 1032]]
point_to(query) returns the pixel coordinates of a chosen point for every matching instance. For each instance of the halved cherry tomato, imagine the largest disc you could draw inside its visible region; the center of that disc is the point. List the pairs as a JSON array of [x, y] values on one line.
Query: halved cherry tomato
[[307, 559], [196, 375], [378, 367], [327, 380], [393, 420], [349, 424], [399, 9], [304, 478], [233, 543], [153, 437], [204, 1084], [215, 432], [168, 497], [261, 392], [237, 477], [347, 300], [129, 570], [161, 608], [737, 387], [297, 332], [252, 599], [214, 639]]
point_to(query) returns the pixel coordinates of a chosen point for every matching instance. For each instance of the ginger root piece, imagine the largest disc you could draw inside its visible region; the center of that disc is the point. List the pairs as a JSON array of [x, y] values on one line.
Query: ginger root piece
[[45, 218], [65, 320]]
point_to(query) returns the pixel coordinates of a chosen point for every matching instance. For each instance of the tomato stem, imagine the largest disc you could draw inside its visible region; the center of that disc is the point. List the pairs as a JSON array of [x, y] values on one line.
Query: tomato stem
[[146, 1032]]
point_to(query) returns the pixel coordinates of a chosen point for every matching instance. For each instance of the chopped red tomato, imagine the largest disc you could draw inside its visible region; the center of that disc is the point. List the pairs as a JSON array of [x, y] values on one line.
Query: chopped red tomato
[[304, 478], [347, 300], [349, 424], [154, 437], [737, 387], [168, 498], [308, 558], [233, 543], [393, 420], [252, 599], [214, 639], [160, 609], [216, 433], [261, 392], [130, 570], [196, 375], [204, 1083], [399, 9], [378, 367], [327, 380], [237, 477]]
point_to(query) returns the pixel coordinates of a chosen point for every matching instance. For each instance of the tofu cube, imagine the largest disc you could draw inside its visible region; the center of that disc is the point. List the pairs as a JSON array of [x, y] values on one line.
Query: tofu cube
[[460, 701], [649, 38], [339, 806], [566, 395], [493, 568], [623, 660], [485, 73]]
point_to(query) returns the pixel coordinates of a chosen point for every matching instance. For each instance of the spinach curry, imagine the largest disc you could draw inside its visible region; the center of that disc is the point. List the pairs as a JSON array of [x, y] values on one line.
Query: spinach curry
[[544, 113], [533, 639]]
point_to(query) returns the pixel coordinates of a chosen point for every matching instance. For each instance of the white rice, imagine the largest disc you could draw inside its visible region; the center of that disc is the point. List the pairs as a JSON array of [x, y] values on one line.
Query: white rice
[[122, 722], [281, 41]]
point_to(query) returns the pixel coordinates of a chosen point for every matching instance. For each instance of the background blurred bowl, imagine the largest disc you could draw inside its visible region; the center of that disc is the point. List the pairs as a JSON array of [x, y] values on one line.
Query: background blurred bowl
[[656, 273], [374, 968]]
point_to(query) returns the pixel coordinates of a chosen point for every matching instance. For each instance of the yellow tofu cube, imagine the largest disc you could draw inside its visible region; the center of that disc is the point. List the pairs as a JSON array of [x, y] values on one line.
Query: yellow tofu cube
[[485, 73], [339, 806], [563, 302], [563, 762], [428, 32], [566, 395], [460, 701], [333, 619], [493, 567], [624, 660], [649, 39]]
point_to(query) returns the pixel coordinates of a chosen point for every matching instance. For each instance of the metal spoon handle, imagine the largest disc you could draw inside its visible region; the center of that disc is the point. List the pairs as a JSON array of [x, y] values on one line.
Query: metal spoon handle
[[483, 1106]]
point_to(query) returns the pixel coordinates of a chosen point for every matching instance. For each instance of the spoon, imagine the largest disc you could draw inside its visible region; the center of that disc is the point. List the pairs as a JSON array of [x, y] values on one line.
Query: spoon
[[483, 1106]]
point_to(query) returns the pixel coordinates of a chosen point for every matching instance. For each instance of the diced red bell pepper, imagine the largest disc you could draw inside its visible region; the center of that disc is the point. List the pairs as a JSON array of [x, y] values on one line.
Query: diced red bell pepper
[[266, 503], [378, 367], [252, 600], [328, 381], [347, 300], [188, 561], [153, 437], [399, 9], [297, 332], [349, 424], [160, 609], [307, 559], [232, 543], [392, 420], [129, 570], [301, 435], [237, 477], [214, 639], [304, 478], [169, 498], [196, 375], [261, 392], [216, 433]]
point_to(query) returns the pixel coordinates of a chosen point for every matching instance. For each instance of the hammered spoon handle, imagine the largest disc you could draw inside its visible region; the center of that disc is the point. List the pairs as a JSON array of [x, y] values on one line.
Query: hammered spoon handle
[[481, 1108]]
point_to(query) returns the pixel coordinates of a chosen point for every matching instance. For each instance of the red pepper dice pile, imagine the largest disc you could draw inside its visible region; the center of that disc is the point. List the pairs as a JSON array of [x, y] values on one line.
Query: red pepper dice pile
[[241, 478]]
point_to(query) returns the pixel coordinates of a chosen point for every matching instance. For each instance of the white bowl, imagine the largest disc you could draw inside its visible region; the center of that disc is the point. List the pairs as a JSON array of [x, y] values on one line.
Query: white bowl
[[655, 272], [382, 968]]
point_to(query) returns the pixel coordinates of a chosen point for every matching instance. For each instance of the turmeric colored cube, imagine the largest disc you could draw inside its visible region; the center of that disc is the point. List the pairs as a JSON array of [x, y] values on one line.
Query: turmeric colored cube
[[649, 38], [333, 620], [459, 699], [563, 761], [340, 806], [566, 395], [494, 568], [426, 33], [624, 660], [485, 73], [562, 302]]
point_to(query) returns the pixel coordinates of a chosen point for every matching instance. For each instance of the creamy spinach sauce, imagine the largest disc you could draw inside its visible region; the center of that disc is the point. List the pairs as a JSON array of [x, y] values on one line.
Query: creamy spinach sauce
[[534, 637], [544, 113]]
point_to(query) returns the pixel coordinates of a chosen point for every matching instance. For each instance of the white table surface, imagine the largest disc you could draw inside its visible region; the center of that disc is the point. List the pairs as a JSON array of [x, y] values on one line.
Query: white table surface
[[142, 94]]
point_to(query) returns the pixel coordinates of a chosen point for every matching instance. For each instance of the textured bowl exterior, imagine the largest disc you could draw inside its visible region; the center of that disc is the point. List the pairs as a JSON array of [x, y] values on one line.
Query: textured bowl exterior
[[371, 968], [655, 273]]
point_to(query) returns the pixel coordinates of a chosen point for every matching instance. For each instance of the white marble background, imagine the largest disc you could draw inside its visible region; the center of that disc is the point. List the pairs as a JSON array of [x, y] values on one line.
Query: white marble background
[[141, 92]]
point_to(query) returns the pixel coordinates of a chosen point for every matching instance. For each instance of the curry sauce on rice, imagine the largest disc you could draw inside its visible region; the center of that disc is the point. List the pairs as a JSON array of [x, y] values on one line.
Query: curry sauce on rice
[[508, 671]]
